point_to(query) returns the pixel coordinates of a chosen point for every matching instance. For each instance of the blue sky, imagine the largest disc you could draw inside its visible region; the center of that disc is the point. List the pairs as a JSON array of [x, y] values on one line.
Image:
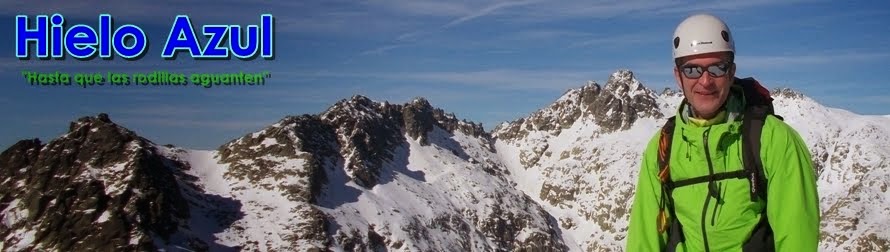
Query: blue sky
[[485, 61]]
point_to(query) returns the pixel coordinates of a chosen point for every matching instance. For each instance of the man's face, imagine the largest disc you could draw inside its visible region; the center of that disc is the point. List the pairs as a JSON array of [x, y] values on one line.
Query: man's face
[[706, 94]]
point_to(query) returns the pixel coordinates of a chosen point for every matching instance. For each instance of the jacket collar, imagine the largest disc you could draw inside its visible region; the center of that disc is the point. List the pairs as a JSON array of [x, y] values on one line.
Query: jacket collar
[[730, 112]]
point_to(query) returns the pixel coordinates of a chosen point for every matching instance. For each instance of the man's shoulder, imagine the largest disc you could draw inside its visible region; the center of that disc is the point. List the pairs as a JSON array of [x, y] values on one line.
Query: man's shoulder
[[777, 131], [652, 145]]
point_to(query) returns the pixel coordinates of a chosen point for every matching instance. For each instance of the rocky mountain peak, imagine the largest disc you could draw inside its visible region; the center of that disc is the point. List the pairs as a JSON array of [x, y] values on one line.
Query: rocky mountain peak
[[623, 83], [783, 92], [99, 137], [419, 119], [419, 102], [364, 133], [95, 123], [670, 92], [615, 107], [262, 155], [289, 187], [355, 106], [107, 186], [786, 93]]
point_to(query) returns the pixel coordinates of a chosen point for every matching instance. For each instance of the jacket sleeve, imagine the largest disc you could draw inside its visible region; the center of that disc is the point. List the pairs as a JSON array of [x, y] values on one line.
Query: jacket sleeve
[[792, 199], [643, 230]]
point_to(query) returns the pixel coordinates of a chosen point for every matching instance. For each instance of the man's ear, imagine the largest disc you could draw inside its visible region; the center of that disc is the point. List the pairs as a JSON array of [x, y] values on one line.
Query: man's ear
[[732, 71]]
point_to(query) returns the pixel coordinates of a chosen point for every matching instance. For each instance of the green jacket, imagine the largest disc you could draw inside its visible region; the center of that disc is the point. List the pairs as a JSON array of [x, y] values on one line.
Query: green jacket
[[793, 209]]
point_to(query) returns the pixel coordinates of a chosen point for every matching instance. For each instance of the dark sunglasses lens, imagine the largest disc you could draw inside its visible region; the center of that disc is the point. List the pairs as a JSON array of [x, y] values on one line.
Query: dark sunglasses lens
[[717, 70], [692, 72]]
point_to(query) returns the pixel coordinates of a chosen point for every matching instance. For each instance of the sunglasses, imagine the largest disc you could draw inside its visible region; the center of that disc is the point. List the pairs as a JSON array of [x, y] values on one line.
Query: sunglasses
[[715, 70]]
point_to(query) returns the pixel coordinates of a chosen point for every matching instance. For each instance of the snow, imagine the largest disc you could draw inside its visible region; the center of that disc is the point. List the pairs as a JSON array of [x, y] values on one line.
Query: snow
[[570, 153], [426, 182], [268, 215], [12, 215], [626, 77], [21, 241], [134, 240], [269, 142], [92, 173], [445, 182], [618, 150], [104, 217], [114, 179]]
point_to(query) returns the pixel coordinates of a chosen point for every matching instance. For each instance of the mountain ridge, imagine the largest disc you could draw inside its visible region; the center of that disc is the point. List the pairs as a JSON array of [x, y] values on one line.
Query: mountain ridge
[[369, 175]]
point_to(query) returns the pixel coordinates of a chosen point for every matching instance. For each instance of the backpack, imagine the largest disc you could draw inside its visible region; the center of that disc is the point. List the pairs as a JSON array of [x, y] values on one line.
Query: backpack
[[758, 105]]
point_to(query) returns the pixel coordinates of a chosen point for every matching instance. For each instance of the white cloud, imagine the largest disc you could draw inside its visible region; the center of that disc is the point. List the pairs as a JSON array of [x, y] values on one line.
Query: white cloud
[[380, 50], [424, 7], [462, 12], [796, 61], [621, 40], [157, 11], [589, 9], [498, 78], [486, 11], [547, 34], [505, 79], [691, 7]]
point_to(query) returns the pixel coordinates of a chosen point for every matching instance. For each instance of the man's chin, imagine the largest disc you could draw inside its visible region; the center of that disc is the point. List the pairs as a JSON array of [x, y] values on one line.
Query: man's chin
[[699, 111]]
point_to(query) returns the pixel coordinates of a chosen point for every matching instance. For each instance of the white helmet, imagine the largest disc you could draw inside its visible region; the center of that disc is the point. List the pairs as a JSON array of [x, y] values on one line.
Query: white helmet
[[702, 33]]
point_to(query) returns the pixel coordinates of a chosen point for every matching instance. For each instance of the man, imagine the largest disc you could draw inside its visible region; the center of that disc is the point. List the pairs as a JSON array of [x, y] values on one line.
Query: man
[[702, 196]]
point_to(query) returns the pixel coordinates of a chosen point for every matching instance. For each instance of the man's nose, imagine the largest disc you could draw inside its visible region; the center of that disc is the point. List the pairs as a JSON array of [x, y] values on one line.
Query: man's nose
[[706, 79]]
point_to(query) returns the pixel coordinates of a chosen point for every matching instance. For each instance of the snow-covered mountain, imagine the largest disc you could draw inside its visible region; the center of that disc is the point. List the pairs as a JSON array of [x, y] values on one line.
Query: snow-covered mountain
[[583, 171], [373, 176]]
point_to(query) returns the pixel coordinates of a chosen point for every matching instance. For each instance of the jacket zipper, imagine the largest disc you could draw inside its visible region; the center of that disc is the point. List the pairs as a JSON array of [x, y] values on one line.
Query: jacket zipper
[[711, 192]]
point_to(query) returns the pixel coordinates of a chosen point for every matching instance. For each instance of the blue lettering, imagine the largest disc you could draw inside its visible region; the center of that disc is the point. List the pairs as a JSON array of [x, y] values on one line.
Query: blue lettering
[[105, 24], [268, 38], [217, 34], [242, 45], [57, 21], [39, 34], [185, 38], [235, 41], [80, 41], [139, 41], [52, 39]]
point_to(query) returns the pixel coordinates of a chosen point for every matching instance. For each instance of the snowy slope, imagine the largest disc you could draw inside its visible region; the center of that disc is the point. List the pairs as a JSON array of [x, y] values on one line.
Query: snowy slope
[[586, 178], [576, 164], [852, 155], [584, 174], [445, 192], [372, 176]]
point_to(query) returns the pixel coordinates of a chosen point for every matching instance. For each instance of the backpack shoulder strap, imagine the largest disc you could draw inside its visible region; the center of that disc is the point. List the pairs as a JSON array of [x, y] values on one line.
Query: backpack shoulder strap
[[668, 224], [664, 150], [758, 105]]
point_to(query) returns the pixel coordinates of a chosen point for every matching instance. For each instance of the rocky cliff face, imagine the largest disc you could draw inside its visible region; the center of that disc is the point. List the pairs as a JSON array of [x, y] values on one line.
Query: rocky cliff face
[[284, 162], [98, 187], [613, 108], [322, 164]]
